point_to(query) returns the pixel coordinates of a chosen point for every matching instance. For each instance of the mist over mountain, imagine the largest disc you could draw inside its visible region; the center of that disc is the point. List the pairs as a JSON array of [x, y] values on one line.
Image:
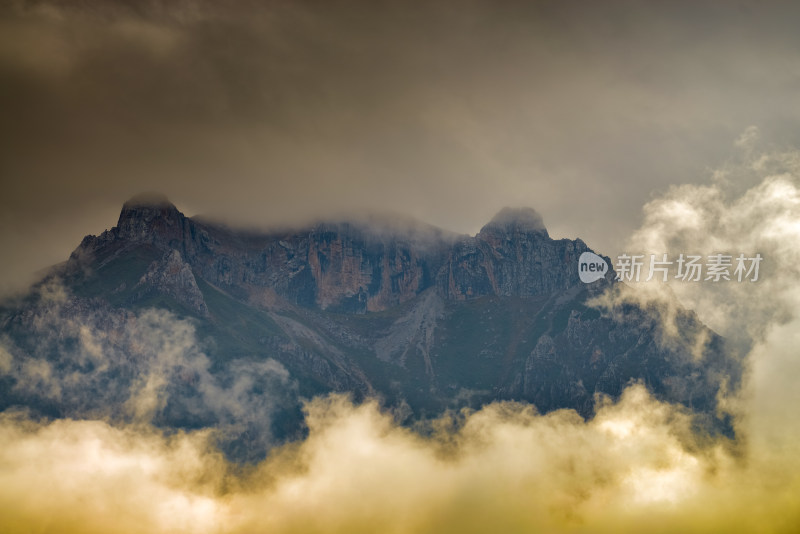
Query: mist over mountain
[[272, 339], [185, 323]]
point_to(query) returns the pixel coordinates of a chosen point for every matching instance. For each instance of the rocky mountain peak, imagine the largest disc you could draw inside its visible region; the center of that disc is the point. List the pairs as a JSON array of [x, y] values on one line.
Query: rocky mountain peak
[[525, 220], [148, 206], [148, 214]]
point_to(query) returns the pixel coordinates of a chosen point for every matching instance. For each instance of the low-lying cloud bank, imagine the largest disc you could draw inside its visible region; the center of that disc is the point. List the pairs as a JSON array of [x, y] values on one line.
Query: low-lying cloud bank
[[506, 469], [638, 465]]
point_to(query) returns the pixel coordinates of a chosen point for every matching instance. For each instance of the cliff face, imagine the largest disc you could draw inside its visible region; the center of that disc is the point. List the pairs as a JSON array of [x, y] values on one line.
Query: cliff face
[[354, 267], [511, 256], [151, 219]]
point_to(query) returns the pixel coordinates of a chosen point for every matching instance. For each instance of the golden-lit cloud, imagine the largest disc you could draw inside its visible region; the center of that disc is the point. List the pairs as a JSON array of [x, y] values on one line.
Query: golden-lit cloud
[[635, 466], [752, 207], [87, 476]]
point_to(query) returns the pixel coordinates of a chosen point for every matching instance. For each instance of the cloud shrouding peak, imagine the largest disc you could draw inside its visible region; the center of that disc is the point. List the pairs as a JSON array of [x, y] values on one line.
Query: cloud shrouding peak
[[524, 219], [278, 113], [148, 199]]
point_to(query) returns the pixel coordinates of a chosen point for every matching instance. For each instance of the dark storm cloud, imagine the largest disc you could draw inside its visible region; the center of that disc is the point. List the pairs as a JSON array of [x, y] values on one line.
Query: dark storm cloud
[[268, 112]]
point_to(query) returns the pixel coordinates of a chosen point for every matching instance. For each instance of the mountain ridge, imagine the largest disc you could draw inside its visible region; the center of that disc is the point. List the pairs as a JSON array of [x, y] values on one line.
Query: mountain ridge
[[423, 325], [356, 267]]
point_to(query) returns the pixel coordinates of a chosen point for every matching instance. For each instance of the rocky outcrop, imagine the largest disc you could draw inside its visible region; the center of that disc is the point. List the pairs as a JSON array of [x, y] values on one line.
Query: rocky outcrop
[[413, 333], [512, 256], [151, 219], [173, 277]]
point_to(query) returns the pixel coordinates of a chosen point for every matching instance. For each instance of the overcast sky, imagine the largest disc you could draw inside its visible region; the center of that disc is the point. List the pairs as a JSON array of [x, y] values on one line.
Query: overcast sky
[[261, 113]]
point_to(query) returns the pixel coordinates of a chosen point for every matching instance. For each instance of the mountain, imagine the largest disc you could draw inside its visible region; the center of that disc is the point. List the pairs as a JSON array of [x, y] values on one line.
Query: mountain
[[422, 319]]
